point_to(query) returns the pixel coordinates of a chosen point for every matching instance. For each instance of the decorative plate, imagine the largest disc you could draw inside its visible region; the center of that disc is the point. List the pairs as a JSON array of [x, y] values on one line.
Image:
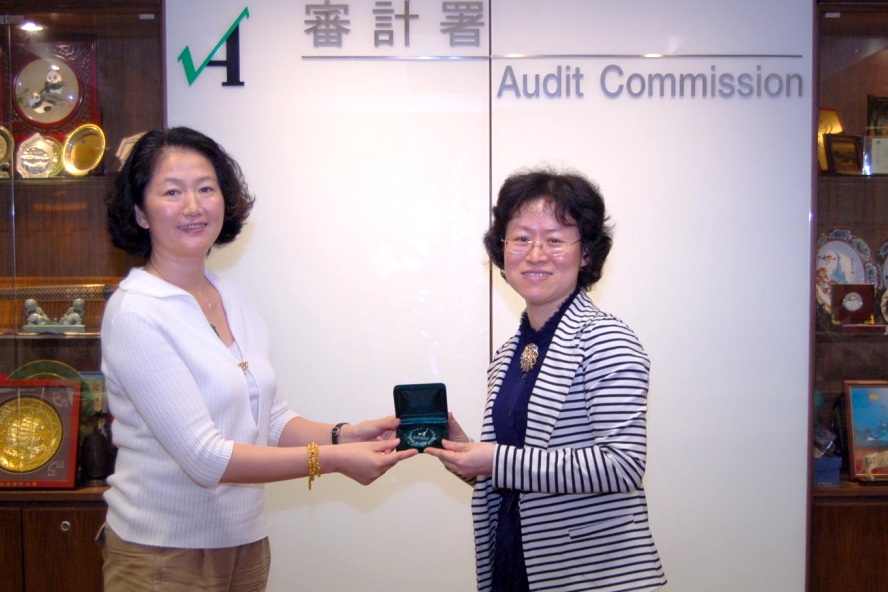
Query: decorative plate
[[39, 157], [882, 260], [7, 152], [842, 258], [84, 149], [57, 164], [7, 145], [54, 369], [47, 90], [32, 433]]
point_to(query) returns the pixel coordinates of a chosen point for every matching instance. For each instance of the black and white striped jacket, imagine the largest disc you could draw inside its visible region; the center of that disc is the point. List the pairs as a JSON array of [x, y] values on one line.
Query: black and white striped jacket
[[583, 510]]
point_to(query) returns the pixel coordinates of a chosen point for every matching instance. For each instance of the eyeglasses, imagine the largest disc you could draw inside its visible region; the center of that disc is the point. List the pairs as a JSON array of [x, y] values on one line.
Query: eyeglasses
[[553, 247]]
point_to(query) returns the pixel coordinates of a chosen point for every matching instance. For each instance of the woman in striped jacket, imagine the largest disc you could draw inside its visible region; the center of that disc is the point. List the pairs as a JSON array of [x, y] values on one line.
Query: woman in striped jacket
[[558, 502]]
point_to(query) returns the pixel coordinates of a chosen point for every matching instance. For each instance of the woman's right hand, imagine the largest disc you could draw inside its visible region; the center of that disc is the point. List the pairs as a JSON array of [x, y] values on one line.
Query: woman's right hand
[[461, 455], [467, 460], [364, 462]]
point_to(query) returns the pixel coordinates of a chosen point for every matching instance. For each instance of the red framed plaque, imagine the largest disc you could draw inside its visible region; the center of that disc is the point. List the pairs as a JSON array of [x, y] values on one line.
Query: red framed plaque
[[39, 423]]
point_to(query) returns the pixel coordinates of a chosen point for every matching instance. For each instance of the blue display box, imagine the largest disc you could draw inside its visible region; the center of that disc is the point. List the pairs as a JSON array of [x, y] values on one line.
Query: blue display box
[[826, 471]]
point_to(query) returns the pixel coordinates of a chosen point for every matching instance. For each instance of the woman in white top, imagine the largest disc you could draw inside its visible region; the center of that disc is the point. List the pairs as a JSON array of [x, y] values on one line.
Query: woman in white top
[[198, 422]]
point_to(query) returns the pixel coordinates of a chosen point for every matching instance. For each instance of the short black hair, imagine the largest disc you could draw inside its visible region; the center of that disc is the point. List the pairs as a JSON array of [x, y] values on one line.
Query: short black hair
[[137, 171], [576, 201]]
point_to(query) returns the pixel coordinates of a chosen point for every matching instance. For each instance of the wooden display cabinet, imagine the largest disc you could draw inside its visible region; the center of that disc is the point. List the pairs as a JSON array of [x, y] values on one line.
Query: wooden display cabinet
[[848, 534], [49, 540], [54, 244], [849, 523], [57, 236]]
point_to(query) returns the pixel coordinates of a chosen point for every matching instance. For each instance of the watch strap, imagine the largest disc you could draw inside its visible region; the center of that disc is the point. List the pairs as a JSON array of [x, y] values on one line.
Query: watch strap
[[334, 433]]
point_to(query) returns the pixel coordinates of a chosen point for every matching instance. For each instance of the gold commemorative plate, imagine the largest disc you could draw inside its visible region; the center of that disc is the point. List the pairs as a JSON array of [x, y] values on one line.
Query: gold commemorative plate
[[30, 434], [57, 164], [84, 149]]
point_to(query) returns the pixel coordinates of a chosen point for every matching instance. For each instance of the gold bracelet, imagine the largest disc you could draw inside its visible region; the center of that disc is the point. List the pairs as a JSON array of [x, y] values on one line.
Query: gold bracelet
[[314, 463]]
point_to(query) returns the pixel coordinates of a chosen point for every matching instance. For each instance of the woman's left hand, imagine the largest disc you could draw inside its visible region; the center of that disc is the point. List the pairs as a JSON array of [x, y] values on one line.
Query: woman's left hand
[[465, 459], [371, 430], [364, 461]]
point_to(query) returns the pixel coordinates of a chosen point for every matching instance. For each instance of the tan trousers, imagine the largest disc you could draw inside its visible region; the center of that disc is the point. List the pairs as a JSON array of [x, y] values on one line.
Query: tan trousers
[[130, 567]]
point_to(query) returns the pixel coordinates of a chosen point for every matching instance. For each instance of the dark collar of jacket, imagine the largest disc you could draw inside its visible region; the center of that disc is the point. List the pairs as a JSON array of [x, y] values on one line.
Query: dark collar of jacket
[[558, 369]]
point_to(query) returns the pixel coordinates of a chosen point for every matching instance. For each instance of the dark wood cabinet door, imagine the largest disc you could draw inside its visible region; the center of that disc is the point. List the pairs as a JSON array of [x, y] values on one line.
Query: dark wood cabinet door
[[848, 542], [11, 549], [60, 552]]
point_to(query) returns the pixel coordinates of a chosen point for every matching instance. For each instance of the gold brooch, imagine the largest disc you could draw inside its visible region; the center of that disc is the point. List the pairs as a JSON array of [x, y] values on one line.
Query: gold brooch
[[529, 357]]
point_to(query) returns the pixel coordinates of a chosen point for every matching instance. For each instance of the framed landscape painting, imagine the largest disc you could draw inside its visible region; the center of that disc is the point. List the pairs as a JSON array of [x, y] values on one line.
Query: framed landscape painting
[[867, 415]]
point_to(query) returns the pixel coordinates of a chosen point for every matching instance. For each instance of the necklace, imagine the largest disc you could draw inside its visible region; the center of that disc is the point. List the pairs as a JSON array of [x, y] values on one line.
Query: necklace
[[244, 365], [529, 357], [210, 314], [206, 297]]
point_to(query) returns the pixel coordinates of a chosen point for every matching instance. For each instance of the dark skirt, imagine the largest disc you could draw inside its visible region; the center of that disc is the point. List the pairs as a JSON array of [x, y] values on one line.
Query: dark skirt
[[509, 571]]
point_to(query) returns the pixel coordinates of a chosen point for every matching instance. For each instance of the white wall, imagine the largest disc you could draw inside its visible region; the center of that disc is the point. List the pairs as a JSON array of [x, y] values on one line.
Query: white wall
[[374, 181]]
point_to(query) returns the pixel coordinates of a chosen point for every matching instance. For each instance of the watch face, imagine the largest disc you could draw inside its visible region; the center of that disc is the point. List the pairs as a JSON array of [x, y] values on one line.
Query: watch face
[[852, 302]]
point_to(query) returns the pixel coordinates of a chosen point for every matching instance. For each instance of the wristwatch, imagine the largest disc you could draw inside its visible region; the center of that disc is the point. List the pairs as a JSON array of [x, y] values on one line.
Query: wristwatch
[[334, 433]]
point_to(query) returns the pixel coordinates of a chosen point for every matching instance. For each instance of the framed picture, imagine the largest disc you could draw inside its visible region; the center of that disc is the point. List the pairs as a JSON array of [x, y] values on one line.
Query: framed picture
[[95, 381], [39, 424], [53, 87], [867, 416], [126, 146], [827, 123], [852, 303], [876, 116], [844, 154]]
